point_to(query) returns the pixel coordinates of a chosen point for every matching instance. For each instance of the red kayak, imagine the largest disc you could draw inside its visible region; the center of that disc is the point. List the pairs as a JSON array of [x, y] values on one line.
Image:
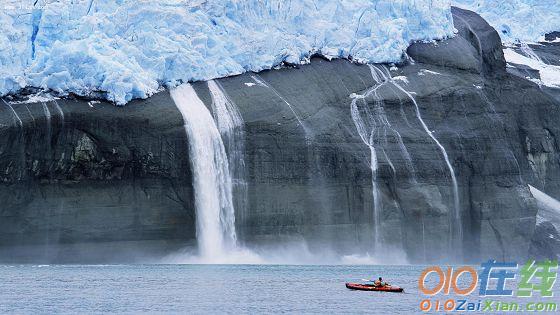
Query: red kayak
[[371, 287]]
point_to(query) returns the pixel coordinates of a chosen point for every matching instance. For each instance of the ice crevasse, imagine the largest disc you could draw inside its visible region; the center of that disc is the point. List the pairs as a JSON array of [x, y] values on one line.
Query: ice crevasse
[[127, 49]]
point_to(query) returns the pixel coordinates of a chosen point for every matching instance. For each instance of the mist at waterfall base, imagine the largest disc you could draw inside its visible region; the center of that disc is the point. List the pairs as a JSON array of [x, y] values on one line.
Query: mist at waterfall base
[[284, 253]]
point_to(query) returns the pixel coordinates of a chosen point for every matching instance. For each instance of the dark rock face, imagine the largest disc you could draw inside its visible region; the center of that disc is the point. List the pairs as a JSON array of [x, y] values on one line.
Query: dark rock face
[[482, 37], [542, 155], [74, 173], [545, 243], [552, 36], [548, 53], [120, 177]]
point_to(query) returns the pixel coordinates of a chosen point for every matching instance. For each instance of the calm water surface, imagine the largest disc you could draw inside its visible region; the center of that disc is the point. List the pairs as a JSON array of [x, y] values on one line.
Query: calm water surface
[[196, 289]]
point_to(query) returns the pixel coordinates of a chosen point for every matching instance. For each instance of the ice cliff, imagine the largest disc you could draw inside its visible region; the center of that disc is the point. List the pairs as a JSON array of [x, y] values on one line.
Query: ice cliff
[[517, 20], [129, 49]]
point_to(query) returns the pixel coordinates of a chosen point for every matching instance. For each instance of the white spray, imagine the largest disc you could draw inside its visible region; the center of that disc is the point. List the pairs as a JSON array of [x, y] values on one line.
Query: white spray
[[230, 124]]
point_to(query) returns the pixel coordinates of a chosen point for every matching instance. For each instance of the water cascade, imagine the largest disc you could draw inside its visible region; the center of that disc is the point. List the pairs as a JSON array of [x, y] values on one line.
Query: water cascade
[[47, 113], [456, 227], [59, 110], [369, 125], [17, 120], [215, 217], [48, 117], [230, 124], [260, 81], [48, 137], [381, 77], [372, 128]]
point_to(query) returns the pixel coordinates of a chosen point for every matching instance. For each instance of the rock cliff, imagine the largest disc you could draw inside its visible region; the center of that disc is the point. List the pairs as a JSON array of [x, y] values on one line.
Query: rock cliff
[[88, 181]]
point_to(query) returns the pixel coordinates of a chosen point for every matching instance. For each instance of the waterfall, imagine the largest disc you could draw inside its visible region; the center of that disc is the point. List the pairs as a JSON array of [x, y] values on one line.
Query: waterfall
[[367, 138], [47, 113], [59, 110], [402, 147], [48, 116], [230, 124], [372, 126], [17, 120], [378, 120], [261, 82], [215, 217], [381, 78], [369, 130], [456, 228]]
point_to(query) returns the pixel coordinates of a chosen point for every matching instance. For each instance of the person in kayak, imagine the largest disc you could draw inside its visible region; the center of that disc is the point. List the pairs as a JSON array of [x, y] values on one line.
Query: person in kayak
[[380, 283]]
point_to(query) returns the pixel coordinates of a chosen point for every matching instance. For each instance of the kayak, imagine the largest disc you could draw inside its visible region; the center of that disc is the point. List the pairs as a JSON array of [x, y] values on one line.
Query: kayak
[[370, 287]]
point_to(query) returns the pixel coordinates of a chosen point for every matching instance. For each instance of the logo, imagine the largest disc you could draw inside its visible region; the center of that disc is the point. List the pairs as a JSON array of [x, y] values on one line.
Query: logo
[[494, 280]]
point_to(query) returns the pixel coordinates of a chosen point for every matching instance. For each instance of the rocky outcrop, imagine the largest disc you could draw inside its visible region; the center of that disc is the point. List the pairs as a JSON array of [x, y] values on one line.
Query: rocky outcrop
[[542, 147], [77, 174]]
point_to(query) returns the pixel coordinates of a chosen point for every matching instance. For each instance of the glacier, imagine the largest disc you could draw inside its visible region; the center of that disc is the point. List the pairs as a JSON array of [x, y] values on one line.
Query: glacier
[[124, 49], [517, 20]]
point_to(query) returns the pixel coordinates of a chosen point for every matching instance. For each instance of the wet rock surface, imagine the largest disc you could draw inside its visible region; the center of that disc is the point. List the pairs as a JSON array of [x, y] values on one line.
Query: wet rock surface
[[101, 175], [542, 156], [78, 172]]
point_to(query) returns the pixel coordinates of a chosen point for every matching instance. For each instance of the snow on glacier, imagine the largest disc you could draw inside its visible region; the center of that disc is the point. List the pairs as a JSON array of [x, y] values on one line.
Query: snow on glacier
[[127, 49], [549, 74], [517, 20]]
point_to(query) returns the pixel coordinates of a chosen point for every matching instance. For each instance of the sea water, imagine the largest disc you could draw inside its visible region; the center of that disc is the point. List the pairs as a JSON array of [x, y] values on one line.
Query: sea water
[[196, 289]]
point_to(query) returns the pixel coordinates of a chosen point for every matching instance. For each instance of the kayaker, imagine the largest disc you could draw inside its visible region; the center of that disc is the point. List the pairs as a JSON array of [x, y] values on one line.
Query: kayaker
[[379, 282]]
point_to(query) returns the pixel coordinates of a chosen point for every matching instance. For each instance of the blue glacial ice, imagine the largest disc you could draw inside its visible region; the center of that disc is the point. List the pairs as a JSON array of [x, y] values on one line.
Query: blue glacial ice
[[127, 49], [517, 20]]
